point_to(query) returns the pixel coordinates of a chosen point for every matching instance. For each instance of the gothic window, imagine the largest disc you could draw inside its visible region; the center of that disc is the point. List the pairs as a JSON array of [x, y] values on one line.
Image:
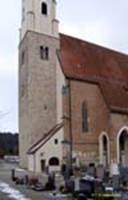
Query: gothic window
[[41, 52], [44, 53], [44, 9], [105, 143], [122, 141], [84, 117]]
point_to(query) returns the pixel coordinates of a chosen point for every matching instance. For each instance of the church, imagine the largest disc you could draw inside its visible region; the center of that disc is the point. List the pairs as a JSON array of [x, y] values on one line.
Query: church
[[73, 96]]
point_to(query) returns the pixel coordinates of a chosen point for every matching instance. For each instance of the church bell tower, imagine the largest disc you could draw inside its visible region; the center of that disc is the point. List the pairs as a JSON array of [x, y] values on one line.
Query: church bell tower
[[39, 40], [39, 16]]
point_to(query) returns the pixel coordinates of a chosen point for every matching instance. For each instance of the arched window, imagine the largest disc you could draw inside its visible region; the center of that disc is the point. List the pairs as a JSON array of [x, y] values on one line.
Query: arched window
[[104, 143], [122, 140], [44, 8], [84, 117], [44, 53], [54, 161]]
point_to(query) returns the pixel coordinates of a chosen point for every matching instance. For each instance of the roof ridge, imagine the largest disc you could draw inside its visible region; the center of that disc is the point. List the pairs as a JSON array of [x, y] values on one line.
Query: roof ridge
[[95, 44], [50, 133]]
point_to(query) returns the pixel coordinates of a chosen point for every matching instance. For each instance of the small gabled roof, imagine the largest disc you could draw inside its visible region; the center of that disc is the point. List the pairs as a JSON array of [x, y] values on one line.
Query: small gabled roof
[[38, 144], [84, 61]]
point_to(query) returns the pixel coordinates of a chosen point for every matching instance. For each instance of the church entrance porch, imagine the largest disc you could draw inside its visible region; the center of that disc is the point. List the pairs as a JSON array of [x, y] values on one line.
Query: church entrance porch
[[54, 164], [123, 148]]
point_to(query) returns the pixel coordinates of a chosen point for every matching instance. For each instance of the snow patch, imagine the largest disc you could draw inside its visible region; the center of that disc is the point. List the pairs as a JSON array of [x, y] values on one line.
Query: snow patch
[[12, 193]]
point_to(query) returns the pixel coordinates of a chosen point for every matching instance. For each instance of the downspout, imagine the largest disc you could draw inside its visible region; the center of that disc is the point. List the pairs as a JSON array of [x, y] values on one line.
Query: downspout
[[70, 124]]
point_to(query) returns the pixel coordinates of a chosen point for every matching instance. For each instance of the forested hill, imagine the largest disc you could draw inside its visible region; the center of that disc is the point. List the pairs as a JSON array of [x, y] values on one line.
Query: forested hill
[[8, 144]]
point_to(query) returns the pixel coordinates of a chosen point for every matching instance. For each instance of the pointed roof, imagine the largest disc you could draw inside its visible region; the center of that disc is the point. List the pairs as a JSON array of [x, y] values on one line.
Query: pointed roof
[[38, 144], [81, 60]]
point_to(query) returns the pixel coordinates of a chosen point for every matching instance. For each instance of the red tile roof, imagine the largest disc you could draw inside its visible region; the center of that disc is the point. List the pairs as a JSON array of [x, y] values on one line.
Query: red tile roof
[[89, 62], [115, 95]]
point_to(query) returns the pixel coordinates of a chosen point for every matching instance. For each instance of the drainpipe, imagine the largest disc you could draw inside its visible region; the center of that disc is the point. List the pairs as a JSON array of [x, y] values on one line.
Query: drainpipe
[[70, 124]]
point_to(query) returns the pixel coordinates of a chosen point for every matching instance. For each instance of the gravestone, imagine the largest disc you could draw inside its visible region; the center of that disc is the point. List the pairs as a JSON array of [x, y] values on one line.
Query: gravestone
[[100, 172], [91, 170]]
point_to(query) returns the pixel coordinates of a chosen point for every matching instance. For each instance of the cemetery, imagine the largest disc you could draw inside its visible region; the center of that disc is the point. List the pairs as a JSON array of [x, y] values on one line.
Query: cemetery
[[93, 182]]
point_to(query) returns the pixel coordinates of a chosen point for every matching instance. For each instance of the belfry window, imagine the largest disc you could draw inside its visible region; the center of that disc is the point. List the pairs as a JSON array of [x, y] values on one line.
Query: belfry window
[[44, 8], [44, 53], [41, 52], [84, 117]]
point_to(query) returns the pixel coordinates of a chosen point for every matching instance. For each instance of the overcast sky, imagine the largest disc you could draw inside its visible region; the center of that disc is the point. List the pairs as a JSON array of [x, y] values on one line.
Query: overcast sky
[[104, 22]]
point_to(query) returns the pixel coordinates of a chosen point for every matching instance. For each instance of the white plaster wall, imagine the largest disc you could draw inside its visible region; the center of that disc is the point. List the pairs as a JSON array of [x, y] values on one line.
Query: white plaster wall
[[35, 21], [31, 163], [49, 150], [54, 168]]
